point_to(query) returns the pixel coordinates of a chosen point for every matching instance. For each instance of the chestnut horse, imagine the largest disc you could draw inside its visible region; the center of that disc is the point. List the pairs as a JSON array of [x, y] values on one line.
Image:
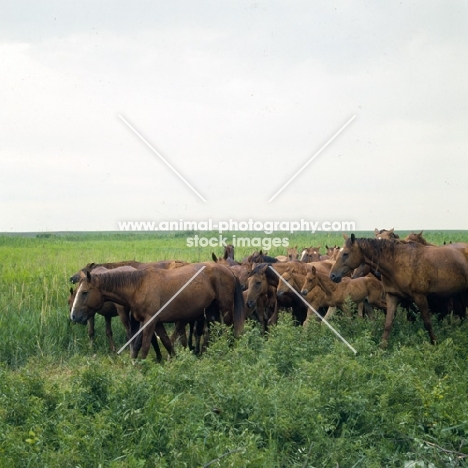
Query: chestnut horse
[[187, 293], [357, 290], [315, 297], [409, 271], [109, 310]]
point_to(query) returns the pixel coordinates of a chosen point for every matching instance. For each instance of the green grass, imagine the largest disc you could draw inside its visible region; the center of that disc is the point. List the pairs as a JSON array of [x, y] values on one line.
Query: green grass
[[299, 398]]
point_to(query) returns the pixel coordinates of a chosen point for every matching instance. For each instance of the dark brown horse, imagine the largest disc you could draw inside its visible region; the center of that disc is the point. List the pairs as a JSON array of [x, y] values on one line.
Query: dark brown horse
[[182, 294], [409, 271]]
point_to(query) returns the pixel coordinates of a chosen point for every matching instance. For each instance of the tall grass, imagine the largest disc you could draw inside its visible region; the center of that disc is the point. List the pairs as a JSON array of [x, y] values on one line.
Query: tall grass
[[296, 398]]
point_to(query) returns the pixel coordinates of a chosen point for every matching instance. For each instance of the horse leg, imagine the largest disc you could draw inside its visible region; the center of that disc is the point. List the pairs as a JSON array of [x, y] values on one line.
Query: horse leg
[[330, 312], [91, 331], [157, 349], [179, 334], [392, 304], [199, 332], [360, 309], [421, 302], [109, 334], [166, 341], [273, 320]]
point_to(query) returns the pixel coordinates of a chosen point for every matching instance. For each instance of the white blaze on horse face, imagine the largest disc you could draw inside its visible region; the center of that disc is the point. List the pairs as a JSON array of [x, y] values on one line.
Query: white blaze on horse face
[[74, 301], [303, 254]]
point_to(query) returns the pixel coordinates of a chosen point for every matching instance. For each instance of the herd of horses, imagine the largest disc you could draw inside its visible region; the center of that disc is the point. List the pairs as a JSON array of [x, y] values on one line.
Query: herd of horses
[[372, 273]]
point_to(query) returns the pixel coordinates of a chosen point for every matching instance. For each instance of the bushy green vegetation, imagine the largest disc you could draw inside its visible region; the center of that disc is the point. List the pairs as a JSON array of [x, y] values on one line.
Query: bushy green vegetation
[[297, 398]]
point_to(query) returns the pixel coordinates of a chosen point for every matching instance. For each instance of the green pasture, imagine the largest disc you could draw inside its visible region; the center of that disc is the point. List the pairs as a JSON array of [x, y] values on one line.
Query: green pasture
[[296, 398]]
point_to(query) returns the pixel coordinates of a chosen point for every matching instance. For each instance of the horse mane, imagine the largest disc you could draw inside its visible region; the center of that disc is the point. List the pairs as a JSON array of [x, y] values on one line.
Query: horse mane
[[120, 279], [384, 247]]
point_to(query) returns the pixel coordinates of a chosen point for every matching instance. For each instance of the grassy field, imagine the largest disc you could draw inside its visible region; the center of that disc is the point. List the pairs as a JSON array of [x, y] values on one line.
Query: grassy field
[[298, 398]]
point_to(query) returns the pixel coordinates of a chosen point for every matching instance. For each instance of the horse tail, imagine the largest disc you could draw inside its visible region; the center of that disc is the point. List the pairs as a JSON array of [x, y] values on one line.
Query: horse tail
[[239, 308]]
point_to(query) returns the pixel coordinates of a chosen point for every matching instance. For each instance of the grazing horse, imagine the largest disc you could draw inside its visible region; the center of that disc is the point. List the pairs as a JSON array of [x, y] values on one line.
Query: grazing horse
[[260, 298], [409, 271], [111, 309], [164, 264], [186, 293]]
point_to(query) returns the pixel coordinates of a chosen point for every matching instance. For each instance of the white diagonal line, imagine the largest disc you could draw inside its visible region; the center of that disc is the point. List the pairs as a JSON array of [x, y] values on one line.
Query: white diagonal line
[[313, 310], [160, 157], [161, 309], [312, 158]]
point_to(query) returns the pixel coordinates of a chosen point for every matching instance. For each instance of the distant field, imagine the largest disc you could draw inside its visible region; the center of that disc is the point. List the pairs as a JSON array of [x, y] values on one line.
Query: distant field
[[299, 398]]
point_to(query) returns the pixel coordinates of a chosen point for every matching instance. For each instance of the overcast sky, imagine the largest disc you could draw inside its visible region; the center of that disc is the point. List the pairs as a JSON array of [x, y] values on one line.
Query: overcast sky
[[237, 96]]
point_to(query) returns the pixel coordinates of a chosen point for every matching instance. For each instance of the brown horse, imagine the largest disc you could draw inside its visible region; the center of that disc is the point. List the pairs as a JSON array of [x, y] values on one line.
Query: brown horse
[[109, 310], [386, 234], [315, 297], [228, 256], [260, 298], [242, 272], [357, 290], [164, 264], [417, 237], [310, 254], [182, 294], [409, 271]]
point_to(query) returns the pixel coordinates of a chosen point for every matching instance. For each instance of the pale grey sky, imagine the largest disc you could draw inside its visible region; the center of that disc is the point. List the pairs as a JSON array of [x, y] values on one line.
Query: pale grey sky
[[237, 96]]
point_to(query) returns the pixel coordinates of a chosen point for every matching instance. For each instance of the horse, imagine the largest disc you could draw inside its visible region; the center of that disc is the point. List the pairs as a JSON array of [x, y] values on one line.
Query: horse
[[186, 293], [358, 290], [242, 272], [409, 271], [260, 257], [386, 234], [228, 256], [417, 237], [260, 298], [315, 297], [310, 254], [332, 252], [165, 264], [109, 310]]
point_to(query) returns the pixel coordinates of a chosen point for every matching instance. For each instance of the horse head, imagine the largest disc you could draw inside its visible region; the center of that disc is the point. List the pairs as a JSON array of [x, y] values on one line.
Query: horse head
[[349, 258], [85, 299]]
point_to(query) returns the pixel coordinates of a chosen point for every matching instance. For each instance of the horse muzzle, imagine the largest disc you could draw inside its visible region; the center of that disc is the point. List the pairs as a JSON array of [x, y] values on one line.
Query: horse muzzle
[[304, 292], [78, 319], [335, 277]]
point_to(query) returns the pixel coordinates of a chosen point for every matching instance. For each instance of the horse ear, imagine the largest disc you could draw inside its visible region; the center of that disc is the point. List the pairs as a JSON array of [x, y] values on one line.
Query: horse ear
[[214, 257], [345, 236], [391, 230], [88, 275], [314, 270], [353, 237], [376, 231]]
